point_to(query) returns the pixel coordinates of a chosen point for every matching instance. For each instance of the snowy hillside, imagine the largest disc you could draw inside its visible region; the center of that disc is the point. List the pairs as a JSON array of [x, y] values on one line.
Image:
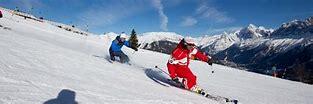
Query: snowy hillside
[[41, 63]]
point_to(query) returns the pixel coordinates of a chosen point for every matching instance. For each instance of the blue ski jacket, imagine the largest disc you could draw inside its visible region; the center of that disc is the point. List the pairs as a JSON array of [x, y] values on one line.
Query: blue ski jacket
[[116, 46]]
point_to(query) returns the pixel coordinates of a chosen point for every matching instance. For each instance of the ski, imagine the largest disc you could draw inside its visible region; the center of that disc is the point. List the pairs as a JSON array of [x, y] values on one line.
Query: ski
[[219, 98], [204, 93]]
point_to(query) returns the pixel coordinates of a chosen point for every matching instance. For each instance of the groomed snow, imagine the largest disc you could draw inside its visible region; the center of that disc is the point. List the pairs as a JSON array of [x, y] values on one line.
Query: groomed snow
[[39, 60]]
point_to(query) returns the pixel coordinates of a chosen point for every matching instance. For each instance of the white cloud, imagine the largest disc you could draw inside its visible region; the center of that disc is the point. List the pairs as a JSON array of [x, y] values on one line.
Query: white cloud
[[111, 11], [189, 21], [164, 19], [210, 12]]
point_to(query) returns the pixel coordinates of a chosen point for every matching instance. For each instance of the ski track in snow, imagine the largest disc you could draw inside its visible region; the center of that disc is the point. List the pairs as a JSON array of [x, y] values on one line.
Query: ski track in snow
[[39, 60]]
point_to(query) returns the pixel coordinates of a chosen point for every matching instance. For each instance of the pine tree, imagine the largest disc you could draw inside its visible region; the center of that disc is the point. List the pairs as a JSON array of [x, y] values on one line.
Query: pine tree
[[133, 40]]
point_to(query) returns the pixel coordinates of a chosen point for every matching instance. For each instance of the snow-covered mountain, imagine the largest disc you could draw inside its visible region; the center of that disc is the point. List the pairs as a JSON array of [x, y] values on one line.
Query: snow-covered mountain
[[295, 29], [220, 43], [43, 64], [289, 47], [253, 32], [163, 42], [217, 43], [146, 38], [166, 41]]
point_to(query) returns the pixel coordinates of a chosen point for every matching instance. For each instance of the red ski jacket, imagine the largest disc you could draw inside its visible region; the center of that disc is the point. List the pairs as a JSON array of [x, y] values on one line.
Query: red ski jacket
[[181, 56]]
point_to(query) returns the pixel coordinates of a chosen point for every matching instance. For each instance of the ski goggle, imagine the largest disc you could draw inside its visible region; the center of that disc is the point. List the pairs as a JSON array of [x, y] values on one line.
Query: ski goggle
[[189, 44], [122, 39]]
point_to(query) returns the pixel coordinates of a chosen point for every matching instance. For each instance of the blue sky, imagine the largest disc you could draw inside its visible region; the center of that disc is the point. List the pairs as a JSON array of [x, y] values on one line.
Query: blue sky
[[186, 17]]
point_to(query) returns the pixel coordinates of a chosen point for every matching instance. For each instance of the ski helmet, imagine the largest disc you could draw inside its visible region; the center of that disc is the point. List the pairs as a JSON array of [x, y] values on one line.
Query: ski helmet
[[123, 35]]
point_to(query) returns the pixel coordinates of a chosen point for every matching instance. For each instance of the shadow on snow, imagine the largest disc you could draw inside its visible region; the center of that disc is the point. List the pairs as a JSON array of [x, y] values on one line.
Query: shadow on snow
[[66, 96]]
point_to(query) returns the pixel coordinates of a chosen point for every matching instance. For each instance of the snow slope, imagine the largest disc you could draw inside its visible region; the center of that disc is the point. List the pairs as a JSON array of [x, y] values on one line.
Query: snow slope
[[38, 61]]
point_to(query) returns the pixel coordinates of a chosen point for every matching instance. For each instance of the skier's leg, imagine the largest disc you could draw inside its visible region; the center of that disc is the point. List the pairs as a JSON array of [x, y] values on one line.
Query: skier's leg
[[119, 55], [171, 69], [124, 58], [190, 80], [112, 56]]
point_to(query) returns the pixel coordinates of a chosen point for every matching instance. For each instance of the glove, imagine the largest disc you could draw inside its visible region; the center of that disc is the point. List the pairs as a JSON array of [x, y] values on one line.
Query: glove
[[210, 62], [135, 49]]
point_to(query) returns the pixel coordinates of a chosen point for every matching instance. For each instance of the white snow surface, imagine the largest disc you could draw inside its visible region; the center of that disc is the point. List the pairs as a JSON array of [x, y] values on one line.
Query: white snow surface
[[38, 60]]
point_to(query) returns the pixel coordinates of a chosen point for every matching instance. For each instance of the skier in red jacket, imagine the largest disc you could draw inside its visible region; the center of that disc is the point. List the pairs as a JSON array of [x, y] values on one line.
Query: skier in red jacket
[[178, 64]]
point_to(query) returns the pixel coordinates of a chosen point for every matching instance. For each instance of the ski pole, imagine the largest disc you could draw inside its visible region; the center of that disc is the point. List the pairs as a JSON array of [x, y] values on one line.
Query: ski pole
[[162, 70], [212, 68]]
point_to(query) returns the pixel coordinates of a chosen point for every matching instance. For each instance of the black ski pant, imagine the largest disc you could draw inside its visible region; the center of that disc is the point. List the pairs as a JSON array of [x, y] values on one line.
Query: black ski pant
[[121, 55]]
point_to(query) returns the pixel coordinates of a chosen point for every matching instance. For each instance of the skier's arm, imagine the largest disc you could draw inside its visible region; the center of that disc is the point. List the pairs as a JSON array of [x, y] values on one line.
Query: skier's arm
[[126, 43], [201, 56]]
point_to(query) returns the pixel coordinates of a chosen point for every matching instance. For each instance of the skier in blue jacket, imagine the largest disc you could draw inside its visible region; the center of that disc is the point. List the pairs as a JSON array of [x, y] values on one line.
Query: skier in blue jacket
[[115, 49]]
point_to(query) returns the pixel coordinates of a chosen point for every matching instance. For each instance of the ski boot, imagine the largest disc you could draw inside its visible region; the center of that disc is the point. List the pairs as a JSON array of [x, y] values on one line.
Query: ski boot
[[198, 90]]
